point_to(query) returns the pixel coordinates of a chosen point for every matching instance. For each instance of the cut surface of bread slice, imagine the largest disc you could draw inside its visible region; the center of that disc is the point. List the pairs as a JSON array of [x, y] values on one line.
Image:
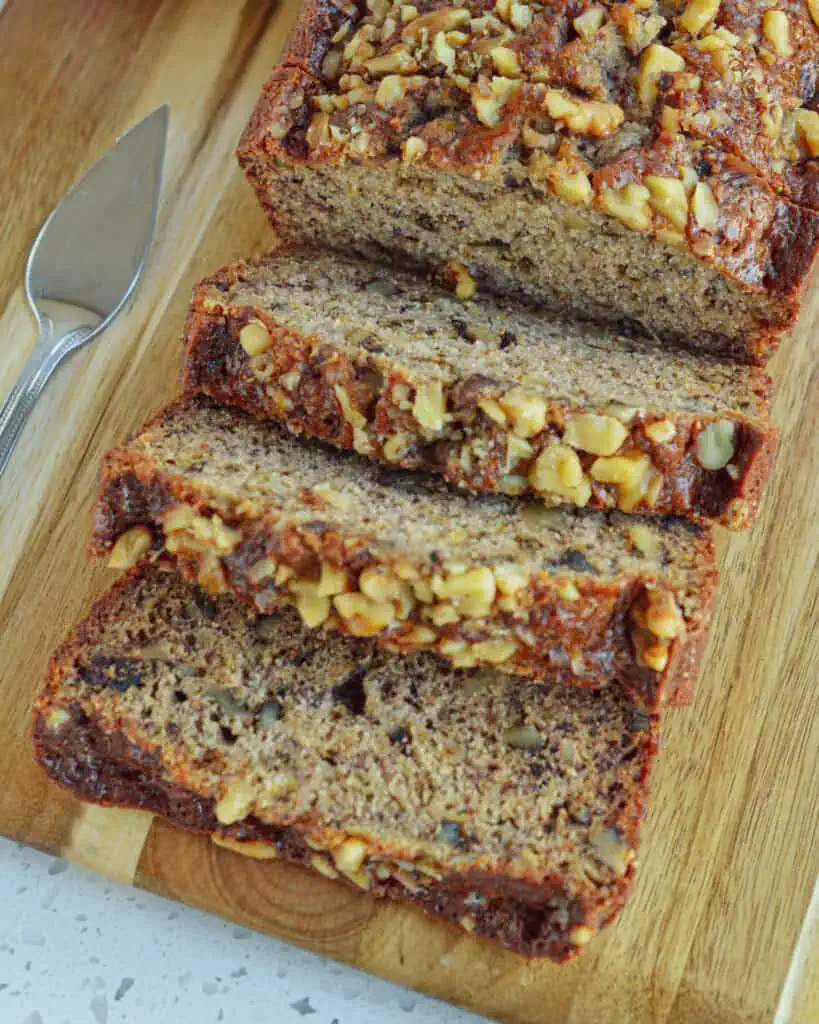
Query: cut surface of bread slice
[[490, 394], [473, 795], [609, 169], [245, 506]]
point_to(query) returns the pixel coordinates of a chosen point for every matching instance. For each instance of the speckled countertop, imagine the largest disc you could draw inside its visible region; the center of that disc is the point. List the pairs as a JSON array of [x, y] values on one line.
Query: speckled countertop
[[75, 949]]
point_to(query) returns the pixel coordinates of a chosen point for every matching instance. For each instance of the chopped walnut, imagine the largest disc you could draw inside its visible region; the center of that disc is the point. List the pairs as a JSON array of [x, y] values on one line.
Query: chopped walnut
[[586, 117], [130, 547], [697, 14], [656, 60]]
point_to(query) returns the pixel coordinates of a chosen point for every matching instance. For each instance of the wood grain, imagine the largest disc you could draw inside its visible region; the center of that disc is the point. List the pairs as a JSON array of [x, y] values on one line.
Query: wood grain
[[722, 926]]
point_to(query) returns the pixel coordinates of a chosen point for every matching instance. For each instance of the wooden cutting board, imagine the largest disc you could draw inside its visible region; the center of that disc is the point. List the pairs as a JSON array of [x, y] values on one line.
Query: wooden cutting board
[[724, 922]]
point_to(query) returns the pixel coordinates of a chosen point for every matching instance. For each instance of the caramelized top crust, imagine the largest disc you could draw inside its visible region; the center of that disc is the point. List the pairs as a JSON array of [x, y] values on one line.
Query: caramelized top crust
[[572, 79], [685, 122]]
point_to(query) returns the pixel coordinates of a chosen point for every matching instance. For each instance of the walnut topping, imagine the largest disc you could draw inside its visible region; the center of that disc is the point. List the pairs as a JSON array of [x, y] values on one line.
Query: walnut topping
[[442, 20], [391, 90], [472, 591], [574, 187], [487, 652], [130, 547], [585, 117], [348, 410], [510, 579], [443, 52], [715, 444], [807, 123], [264, 569], [600, 435], [589, 23], [776, 29], [489, 101], [383, 586], [624, 413], [558, 470], [313, 608], [655, 61], [255, 849], [643, 30], [322, 866], [635, 478], [254, 337], [492, 410], [629, 204], [398, 62], [670, 120], [429, 406], [350, 855], [520, 16], [396, 446], [697, 15], [657, 622], [526, 411], [512, 485], [236, 802], [505, 61], [668, 197], [332, 581], [363, 616], [650, 652], [660, 431], [331, 65], [704, 206], [663, 617]]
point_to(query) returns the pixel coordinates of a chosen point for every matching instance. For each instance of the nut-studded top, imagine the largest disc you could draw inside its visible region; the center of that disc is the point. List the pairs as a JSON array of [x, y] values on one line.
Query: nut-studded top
[[585, 95]]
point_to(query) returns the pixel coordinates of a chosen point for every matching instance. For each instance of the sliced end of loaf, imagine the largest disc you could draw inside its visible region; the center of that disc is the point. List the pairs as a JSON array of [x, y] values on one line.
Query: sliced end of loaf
[[509, 810]]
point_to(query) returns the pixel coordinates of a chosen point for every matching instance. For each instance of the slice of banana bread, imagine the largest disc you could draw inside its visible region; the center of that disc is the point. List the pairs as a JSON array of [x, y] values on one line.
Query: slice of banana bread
[[508, 810], [494, 397], [636, 162], [245, 506]]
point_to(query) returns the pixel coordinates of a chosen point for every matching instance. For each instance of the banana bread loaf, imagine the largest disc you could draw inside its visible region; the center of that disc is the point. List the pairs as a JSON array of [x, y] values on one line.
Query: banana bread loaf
[[484, 580], [494, 397], [641, 163], [509, 811]]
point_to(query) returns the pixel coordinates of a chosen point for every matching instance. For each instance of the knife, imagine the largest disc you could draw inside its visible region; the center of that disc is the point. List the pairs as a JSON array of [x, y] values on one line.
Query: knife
[[87, 259]]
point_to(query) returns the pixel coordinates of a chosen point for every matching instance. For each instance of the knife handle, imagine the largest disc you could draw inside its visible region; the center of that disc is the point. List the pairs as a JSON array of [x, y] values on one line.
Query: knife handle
[[30, 384]]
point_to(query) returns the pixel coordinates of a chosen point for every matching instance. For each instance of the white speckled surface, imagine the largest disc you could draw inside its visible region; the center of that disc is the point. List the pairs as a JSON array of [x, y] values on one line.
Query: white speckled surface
[[76, 949]]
